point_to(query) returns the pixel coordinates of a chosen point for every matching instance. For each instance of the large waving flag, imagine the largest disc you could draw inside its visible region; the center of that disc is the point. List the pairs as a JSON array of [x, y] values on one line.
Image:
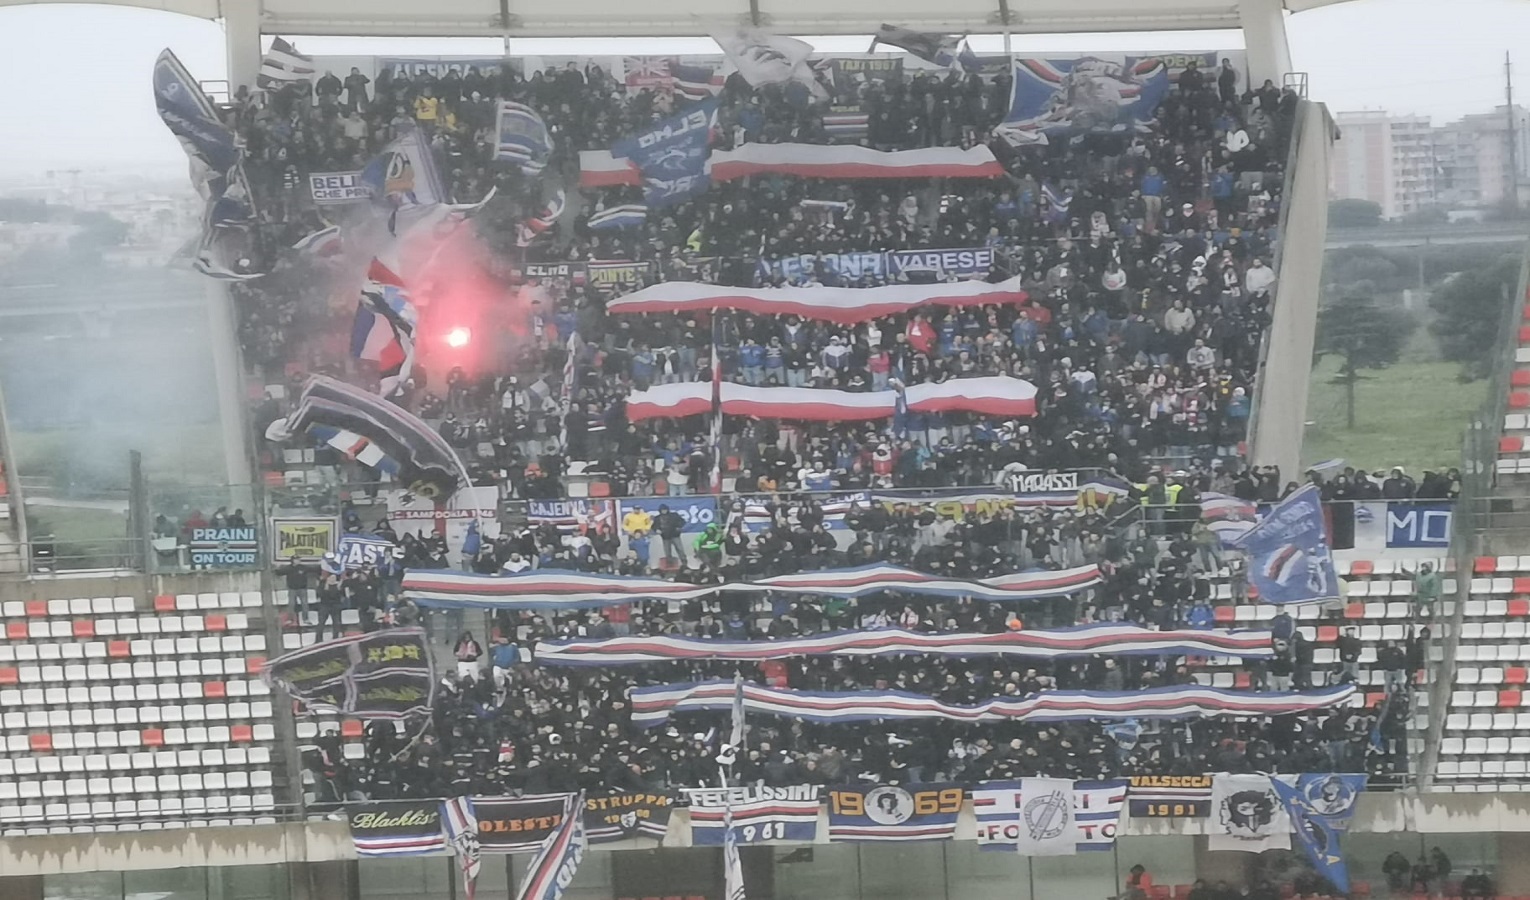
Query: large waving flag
[[384, 328], [940, 49], [845, 306], [404, 175], [1228, 517], [1084, 640], [217, 169], [598, 168], [654, 705], [546, 218], [461, 821], [763, 57], [375, 432], [1289, 560], [627, 215], [380, 675], [1320, 807], [566, 589], [522, 137], [996, 395], [672, 155], [1059, 97], [549, 873], [282, 64]]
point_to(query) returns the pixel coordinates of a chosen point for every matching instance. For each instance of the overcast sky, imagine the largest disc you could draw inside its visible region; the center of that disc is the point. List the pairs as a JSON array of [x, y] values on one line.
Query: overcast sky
[[78, 76]]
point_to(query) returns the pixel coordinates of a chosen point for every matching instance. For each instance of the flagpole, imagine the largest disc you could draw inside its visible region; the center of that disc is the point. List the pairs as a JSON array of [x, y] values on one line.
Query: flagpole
[[733, 868], [716, 480]]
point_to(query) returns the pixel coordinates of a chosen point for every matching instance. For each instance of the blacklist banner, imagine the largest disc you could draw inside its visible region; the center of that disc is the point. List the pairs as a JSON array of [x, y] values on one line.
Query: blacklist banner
[[383, 674], [627, 814], [517, 824], [396, 827]]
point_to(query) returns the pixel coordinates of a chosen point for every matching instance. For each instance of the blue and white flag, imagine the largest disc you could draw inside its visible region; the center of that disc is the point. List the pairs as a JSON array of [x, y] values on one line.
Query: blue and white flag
[[357, 550], [461, 821], [1289, 560], [551, 871], [672, 155], [404, 175], [695, 82], [1059, 201], [1320, 807], [521, 136], [528, 231], [628, 215], [1063, 97], [217, 169], [283, 64], [384, 328], [940, 49], [1228, 517]]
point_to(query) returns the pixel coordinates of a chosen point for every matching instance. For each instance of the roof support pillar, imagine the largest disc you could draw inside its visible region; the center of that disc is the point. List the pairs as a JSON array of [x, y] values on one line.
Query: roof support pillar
[[1264, 35], [241, 38]]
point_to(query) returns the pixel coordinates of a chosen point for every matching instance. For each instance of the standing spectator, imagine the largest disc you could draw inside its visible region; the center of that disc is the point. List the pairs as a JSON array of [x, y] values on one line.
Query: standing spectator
[[468, 652], [331, 599], [1349, 655], [670, 526]]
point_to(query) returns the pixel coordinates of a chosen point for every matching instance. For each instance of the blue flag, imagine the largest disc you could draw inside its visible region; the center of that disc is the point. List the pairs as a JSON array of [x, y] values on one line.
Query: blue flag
[[1320, 807], [672, 154], [1288, 552]]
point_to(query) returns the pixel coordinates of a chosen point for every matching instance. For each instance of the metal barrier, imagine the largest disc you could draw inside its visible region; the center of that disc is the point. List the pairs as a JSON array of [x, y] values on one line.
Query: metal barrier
[[1480, 513]]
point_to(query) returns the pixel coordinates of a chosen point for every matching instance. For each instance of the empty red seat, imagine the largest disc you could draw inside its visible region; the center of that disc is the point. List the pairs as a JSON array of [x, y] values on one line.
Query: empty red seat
[[153, 737], [1509, 444], [1327, 634], [1508, 699], [351, 728], [1516, 675], [1518, 399], [254, 664], [1354, 610], [164, 603], [118, 649], [9, 675], [1224, 614], [1520, 378], [241, 734], [1524, 334], [36, 608], [600, 489], [216, 623], [1520, 606], [1374, 699], [214, 689], [1485, 565], [1362, 567], [84, 628], [41, 743], [1242, 680], [16, 631]]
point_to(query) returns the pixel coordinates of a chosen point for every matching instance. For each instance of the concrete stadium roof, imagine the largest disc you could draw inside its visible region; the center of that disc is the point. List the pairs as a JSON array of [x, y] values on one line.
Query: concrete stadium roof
[[622, 18]]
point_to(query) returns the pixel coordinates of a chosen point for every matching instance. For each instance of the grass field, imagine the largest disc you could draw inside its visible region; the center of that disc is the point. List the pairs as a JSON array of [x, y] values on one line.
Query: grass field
[[1409, 415]]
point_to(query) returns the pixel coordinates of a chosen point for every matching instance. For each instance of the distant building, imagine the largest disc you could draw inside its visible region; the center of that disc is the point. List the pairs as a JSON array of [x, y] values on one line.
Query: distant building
[[1404, 164]]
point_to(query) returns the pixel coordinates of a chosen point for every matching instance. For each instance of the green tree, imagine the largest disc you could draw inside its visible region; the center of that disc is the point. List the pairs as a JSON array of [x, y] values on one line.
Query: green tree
[[1354, 214], [1366, 335], [1469, 311]]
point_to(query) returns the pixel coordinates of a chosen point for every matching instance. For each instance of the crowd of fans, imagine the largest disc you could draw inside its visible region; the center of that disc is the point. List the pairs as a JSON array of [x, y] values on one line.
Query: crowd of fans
[[1146, 263], [1145, 259]]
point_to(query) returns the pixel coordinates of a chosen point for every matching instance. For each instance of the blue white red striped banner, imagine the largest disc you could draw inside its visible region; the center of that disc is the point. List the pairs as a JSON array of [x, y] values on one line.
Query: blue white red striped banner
[[845, 306], [598, 168], [653, 705], [1047, 644], [550, 872], [566, 589]]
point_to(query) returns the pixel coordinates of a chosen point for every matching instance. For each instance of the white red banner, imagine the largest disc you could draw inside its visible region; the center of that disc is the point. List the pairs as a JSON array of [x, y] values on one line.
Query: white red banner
[[845, 306], [1084, 640], [598, 168], [998, 395]]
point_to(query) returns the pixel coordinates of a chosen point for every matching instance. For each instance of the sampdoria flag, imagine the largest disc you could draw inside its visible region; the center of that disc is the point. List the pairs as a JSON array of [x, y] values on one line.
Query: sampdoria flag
[[696, 82], [844, 306], [384, 328], [628, 215], [940, 49], [281, 64], [462, 831], [994, 395], [763, 57], [1059, 201], [521, 136], [1228, 517], [549, 873], [527, 231], [842, 162]]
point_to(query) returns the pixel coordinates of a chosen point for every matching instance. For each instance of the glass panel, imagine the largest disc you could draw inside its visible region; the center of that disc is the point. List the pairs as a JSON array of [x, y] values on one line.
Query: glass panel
[[250, 883], [591, 882], [1072, 877], [1368, 853], [1169, 859], [974, 874], [914, 871], [165, 884], [83, 886], [822, 871], [1464, 852]]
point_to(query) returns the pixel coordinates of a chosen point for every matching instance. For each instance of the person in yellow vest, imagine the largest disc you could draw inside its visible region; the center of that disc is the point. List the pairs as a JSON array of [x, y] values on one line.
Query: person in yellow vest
[[427, 110]]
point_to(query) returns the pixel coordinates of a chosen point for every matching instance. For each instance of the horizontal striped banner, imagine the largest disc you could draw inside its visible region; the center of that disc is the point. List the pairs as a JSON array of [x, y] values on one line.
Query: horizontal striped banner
[[598, 168], [845, 306], [1081, 641], [566, 589], [995, 395], [653, 705]]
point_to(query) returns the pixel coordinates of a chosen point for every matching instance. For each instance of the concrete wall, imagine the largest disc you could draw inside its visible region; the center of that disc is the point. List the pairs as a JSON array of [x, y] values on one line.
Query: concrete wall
[[1280, 414], [322, 841], [64, 586]]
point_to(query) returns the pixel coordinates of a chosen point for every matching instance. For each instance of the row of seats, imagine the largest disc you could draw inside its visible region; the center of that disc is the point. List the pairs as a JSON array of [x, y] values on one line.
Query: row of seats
[[147, 691], [135, 671], [104, 606], [82, 810], [125, 786], [1354, 567], [139, 647], [83, 629], [209, 758], [107, 739], [135, 715]]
